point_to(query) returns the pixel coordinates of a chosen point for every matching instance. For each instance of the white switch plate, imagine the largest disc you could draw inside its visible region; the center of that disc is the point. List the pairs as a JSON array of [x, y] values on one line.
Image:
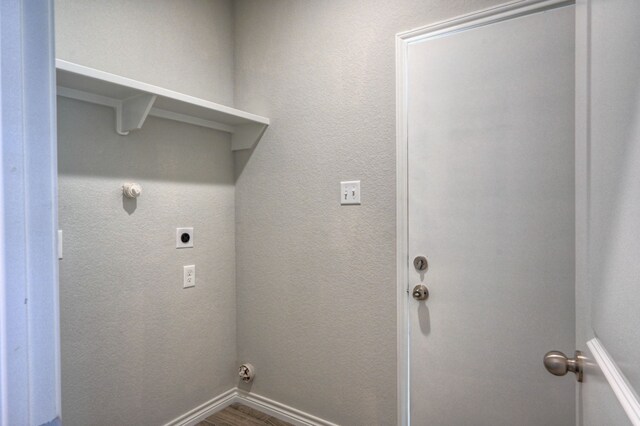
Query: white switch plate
[[350, 192], [179, 233], [189, 276]]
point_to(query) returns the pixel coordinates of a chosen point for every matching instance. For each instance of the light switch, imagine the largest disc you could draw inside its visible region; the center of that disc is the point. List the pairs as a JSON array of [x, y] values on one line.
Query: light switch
[[350, 192]]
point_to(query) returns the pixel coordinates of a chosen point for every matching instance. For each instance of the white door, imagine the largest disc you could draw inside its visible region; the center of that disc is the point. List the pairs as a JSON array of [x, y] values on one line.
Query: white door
[[490, 131]]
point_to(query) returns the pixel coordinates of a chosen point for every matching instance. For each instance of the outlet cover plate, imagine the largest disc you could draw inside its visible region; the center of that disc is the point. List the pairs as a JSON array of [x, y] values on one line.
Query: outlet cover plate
[[180, 240], [188, 276]]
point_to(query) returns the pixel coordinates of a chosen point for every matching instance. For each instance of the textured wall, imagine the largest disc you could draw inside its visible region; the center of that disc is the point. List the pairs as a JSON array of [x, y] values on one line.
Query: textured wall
[[181, 45], [136, 347], [615, 181], [607, 302], [316, 281]]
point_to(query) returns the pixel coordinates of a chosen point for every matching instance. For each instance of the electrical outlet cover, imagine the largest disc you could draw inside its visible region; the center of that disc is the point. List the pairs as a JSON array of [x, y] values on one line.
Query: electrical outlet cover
[[188, 276], [184, 238]]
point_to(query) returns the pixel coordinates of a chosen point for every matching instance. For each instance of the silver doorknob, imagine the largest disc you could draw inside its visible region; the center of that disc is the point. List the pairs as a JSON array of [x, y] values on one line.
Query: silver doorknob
[[558, 364], [420, 292]]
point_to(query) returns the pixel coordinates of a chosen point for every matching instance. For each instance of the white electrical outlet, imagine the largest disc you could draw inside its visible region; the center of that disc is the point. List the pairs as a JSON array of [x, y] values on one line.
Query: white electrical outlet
[[189, 276], [184, 237], [350, 192]]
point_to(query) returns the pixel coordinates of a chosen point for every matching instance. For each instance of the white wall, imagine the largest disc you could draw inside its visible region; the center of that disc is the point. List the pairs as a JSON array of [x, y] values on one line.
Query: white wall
[[316, 281], [180, 45], [136, 347]]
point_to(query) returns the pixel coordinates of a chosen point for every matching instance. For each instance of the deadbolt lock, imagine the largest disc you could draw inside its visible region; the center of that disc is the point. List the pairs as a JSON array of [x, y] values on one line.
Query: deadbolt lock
[[420, 292], [420, 263]]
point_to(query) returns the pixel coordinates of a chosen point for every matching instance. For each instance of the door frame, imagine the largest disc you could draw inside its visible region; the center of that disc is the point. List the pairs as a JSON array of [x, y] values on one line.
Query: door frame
[[403, 41], [29, 308]]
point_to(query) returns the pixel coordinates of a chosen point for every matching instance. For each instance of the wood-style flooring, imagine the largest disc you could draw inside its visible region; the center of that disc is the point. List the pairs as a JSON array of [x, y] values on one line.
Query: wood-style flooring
[[241, 415]]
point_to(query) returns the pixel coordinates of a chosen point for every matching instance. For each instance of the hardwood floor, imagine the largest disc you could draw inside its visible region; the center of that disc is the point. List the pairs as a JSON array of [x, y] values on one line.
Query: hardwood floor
[[241, 415]]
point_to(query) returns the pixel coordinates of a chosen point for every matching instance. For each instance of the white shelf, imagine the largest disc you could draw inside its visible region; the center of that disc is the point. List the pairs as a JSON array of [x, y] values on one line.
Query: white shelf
[[134, 101]]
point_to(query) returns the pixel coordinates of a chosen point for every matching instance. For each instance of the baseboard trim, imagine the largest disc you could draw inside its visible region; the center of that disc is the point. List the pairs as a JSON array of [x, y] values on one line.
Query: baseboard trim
[[258, 402], [203, 411], [620, 385], [279, 410]]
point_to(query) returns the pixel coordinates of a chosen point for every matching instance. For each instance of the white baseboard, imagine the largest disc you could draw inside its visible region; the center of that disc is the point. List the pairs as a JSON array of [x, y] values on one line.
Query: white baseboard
[[258, 402], [203, 411], [280, 411], [621, 387], [618, 382]]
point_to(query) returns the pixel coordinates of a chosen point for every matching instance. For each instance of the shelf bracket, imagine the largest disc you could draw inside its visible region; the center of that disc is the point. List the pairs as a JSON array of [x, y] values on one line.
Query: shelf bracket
[[245, 136], [131, 112]]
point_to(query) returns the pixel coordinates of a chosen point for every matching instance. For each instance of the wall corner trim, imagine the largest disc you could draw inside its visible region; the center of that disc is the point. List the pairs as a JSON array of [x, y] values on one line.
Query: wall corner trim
[[258, 402], [621, 387]]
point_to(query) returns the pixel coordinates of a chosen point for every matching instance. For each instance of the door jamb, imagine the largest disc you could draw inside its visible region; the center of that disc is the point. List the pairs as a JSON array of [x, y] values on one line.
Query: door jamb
[[29, 307]]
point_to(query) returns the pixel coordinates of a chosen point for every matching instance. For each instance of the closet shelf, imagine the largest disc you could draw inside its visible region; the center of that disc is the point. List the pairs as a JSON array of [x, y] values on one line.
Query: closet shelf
[[134, 101]]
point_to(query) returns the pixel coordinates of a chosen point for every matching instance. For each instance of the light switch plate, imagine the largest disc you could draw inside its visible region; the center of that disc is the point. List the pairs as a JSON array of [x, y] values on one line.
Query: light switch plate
[[189, 276], [350, 192], [183, 241]]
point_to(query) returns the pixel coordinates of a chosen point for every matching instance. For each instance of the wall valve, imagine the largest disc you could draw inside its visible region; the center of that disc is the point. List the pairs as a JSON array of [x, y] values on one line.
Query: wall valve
[[247, 372]]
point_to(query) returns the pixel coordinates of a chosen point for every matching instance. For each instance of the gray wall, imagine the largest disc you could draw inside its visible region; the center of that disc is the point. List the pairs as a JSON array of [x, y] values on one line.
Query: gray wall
[[136, 347], [180, 45], [610, 298], [316, 281], [615, 181]]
